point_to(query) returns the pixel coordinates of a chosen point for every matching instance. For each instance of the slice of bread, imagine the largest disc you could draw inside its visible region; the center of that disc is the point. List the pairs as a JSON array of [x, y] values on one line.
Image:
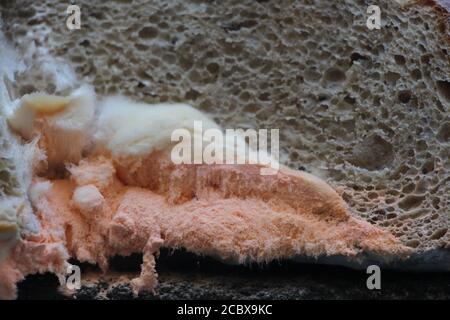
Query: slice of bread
[[367, 110]]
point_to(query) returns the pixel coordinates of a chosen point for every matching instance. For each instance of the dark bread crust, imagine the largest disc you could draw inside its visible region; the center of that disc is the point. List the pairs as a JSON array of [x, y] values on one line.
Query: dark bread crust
[[442, 7]]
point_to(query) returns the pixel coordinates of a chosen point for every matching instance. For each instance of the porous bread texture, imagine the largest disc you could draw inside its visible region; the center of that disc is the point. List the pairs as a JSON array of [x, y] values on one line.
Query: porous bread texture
[[366, 110], [101, 208]]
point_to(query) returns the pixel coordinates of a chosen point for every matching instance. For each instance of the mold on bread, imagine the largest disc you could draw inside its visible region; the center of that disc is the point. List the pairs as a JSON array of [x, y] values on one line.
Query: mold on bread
[[365, 110], [100, 207]]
